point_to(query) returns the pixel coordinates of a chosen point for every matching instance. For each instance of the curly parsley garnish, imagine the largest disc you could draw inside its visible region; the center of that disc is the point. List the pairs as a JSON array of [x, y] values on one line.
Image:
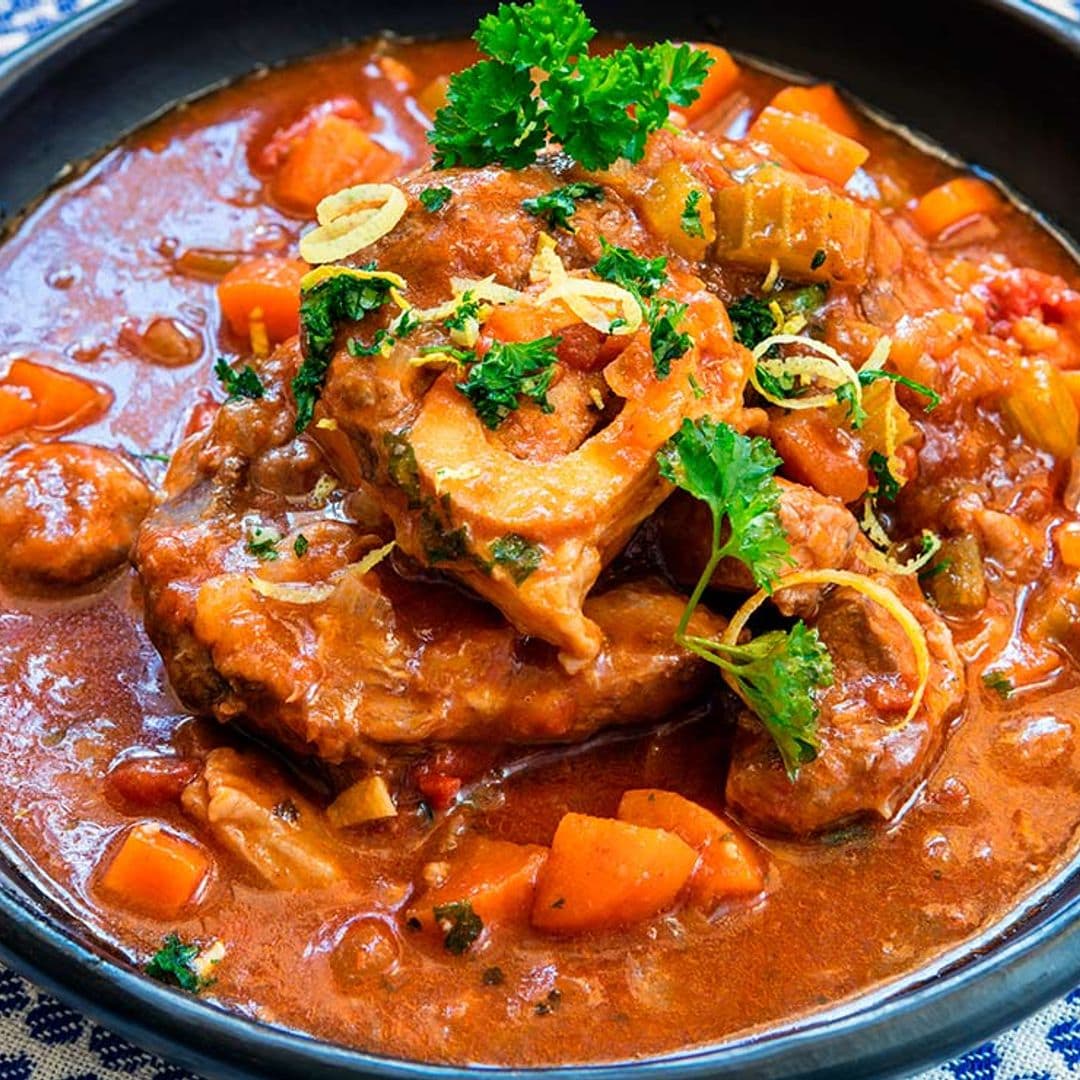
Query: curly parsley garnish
[[600, 108], [557, 207], [667, 342], [519, 556], [244, 383], [641, 276], [460, 924], [888, 486], [751, 321], [510, 371], [173, 965], [779, 672], [434, 199]]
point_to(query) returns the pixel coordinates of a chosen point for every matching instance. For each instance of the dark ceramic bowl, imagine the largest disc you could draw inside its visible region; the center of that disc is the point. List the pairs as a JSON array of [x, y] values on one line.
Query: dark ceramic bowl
[[995, 82]]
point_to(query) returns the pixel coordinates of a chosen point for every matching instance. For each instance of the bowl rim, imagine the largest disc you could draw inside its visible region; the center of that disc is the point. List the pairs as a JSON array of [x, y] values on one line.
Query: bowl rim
[[973, 991]]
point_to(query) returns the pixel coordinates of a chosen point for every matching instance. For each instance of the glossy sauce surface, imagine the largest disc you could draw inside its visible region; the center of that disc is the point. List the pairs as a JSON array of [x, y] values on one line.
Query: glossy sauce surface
[[82, 281]]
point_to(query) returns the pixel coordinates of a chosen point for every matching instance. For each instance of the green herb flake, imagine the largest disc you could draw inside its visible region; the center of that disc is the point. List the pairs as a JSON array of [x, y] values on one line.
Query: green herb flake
[[888, 487], [818, 261], [665, 339], [933, 398], [468, 308], [510, 371], [751, 321], [558, 207], [241, 384], [638, 275], [262, 542], [999, 682], [460, 924], [434, 199], [690, 218], [520, 557], [300, 546], [173, 965]]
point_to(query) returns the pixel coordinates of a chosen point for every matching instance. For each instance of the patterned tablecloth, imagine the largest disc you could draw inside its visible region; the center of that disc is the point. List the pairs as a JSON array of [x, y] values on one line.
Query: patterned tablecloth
[[42, 1039]]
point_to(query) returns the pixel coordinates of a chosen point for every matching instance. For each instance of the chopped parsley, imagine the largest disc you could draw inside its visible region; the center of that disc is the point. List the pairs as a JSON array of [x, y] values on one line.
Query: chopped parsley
[[933, 399], [751, 321], [519, 556], [600, 108], [244, 383], [173, 965], [461, 925], [300, 546], [665, 339], [384, 340], [510, 371], [343, 297], [262, 542], [690, 218], [999, 682], [818, 261], [641, 276], [161, 459], [557, 207], [435, 198], [888, 486], [779, 672], [467, 310]]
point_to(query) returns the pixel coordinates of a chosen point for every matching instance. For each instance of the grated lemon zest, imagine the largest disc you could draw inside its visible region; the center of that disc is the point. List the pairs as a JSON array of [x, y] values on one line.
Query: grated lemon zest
[[828, 366], [546, 264], [292, 592], [323, 273], [327, 423], [880, 595], [772, 276], [883, 561], [597, 398], [351, 220], [260, 339], [433, 358], [596, 303]]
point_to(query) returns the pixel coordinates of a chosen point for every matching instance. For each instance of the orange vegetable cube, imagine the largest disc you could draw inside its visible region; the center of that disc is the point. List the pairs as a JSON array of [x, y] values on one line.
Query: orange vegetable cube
[[820, 102], [155, 871], [61, 399], [809, 144], [269, 284], [818, 453], [719, 82], [953, 202], [1068, 543], [603, 874], [18, 409], [729, 864], [433, 96], [334, 154], [497, 879]]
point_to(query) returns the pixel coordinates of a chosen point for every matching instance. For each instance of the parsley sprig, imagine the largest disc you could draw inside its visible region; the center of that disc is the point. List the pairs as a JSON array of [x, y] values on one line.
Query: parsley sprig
[[600, 108], [557, 207], [777, 673], [508, 372], [173, 965], [241, 384]]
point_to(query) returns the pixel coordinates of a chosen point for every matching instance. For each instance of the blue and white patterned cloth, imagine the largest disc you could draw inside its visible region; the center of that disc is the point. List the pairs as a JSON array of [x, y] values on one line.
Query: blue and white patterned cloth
[[41, 1039]]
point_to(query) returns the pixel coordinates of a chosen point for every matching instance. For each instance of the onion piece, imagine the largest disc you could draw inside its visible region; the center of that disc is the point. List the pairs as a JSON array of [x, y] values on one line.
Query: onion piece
[[352, 219], [292, 592], [885, 598], [584, 297]]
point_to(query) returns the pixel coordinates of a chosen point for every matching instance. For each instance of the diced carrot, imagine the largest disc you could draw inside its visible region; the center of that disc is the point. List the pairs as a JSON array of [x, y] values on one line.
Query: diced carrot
[[729, 864], [1068, 543], [952, 202], [820, 102], [277, 147], [818, 453], [526, 321], [720, 81], [497, 879], [334, 154], [156, 872], [604, 873], [809, 144], [61, 399], [267, 283], [18, 409], [665, 203], [433, 96], [1070, 379]]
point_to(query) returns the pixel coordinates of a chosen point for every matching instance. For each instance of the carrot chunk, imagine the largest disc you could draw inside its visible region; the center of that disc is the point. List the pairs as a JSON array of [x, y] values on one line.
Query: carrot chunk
[[729, 864], [820, 102], [496, 878], [18, 409], [811, 145], [332, 155], [720, 81], [1067, 536], [603, 874], [818, 453], [952, 202], [61, 399], [156, 872], [269, 284]]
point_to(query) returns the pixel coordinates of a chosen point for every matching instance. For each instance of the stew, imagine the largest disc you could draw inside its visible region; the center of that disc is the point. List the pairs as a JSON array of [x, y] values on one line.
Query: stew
[[536, 575]]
